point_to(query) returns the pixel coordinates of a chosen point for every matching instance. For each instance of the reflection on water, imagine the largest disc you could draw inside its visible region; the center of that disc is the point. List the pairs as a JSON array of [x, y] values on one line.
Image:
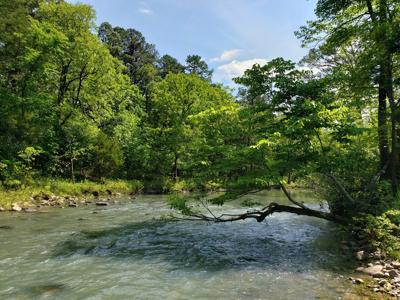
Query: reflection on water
[[127, 252]]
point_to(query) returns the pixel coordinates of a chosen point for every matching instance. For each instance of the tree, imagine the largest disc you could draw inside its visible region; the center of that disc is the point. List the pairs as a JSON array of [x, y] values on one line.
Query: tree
[[195, 65], [168, 64], [63, 77], [306, 124], [129, 46], [176, 100], [370, 27]]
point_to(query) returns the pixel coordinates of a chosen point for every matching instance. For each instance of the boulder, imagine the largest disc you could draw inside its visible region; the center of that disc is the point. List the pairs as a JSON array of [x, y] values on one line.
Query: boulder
[[396, 264], [357, 281], [374, 269], [16, 207], [380, 275], [393, 274], [30, 210]]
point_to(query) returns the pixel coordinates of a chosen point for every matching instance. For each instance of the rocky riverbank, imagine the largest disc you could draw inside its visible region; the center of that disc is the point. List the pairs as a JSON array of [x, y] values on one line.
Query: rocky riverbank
[[378, 273], [44, 200]]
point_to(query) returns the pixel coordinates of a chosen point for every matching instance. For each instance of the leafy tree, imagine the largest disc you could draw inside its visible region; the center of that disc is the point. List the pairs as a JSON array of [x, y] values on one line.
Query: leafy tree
[[367, 29], [176, 100], [63, 76]]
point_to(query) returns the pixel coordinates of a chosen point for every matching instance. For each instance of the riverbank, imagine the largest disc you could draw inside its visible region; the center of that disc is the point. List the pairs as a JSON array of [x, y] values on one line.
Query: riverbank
[[377, 248], [63, 193]]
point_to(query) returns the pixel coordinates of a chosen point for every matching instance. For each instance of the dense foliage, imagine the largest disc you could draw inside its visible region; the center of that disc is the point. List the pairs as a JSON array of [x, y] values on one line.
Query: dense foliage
[[80, 102]]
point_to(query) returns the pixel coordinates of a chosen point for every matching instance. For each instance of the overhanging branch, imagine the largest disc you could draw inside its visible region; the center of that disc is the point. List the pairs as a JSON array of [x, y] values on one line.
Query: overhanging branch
[[261, 215]]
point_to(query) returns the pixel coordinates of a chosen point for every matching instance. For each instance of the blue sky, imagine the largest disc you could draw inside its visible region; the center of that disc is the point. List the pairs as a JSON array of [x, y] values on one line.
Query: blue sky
[[230, 35]]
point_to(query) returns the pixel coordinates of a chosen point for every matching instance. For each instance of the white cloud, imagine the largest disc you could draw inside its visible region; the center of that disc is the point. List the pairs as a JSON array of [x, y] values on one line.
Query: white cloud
[[145, 11], [227, 55], [236, 68]]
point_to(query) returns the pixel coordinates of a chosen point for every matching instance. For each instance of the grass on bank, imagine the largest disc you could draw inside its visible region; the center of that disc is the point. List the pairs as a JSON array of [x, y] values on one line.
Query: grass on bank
[[62, 187]]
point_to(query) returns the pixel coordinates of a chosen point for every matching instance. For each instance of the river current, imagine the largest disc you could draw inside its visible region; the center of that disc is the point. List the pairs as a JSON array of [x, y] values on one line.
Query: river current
[[131, 251]]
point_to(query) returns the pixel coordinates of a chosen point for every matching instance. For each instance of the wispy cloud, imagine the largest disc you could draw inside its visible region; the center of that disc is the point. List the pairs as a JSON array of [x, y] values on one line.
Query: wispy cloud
[[236, 68], [145, 11], [227, 55]]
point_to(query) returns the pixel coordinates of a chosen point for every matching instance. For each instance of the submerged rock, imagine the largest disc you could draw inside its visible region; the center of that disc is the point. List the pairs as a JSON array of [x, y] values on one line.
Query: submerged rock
[[102, 203]]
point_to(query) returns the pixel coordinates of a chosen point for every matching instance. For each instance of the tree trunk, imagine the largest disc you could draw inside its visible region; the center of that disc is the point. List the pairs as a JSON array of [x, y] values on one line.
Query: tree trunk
[[176, 166], [393, 113], [382, 122]]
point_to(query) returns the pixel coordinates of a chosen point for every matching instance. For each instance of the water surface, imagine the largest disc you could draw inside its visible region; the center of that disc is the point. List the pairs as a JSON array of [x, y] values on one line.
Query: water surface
[[129, 251]]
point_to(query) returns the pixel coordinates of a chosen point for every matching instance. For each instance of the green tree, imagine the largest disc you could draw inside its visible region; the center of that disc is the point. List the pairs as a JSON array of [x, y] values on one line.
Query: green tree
[[176, 100], [129, 46], [367, 29], [168, 64], [196, 65]]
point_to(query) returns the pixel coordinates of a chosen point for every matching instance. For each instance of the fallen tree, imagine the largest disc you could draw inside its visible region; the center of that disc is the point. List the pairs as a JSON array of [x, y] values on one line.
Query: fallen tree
[[297, 208]]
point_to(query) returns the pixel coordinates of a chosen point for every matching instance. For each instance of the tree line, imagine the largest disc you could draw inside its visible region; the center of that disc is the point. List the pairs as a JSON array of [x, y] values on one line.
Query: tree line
[[85, 102]]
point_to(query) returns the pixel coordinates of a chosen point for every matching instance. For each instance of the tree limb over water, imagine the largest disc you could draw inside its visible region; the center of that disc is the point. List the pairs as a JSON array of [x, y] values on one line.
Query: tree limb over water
[[260, 215]]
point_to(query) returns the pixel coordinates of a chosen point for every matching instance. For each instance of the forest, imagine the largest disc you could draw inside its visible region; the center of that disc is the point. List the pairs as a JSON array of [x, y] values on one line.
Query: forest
[[86, 103]]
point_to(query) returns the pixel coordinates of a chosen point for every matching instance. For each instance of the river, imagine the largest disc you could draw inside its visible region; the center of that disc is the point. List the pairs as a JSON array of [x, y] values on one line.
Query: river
[[129, 251]]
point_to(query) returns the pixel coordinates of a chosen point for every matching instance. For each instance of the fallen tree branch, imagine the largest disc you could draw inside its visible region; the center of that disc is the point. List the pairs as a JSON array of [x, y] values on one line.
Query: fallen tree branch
[[341, 188], [290, 198], [261, 215]]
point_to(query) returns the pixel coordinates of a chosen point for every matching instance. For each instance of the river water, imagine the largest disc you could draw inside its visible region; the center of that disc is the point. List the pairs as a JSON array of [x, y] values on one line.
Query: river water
[[129, 251]]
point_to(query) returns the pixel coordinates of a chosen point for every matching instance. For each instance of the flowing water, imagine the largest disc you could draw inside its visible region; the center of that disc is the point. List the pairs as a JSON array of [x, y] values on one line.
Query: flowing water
[[128, 251]]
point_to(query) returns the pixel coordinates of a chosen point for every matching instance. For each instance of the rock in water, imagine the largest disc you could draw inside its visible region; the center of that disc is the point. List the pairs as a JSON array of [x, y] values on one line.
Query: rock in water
[[374, 269], [102, 203], [16, 207]]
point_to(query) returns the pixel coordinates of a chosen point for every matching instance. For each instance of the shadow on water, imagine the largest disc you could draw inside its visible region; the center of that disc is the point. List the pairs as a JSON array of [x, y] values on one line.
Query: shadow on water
[[294, 244]]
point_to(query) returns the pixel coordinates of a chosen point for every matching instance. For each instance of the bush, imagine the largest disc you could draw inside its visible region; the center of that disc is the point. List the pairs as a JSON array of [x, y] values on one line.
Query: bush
[[383, 231]]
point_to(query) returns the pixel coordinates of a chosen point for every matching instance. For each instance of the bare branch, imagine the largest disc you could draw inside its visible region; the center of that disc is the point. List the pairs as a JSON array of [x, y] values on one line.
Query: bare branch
[[260, 215], [376, 177], [341, 188]]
